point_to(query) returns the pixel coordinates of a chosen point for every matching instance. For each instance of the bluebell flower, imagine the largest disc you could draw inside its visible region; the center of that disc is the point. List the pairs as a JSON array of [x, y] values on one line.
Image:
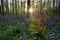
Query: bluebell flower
[[23, 26], [1, 32], [46, 36], [16, 17], [41, 23], [53, 37], [38, 16], [5, 17], [10, 31], [51, 17], [15, 25], [24, 35], [52, 26], [58, 17], [51, 31], [47, 24]]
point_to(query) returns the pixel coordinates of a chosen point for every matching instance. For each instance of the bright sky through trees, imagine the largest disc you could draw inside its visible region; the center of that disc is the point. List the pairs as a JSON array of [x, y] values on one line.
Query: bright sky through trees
[[10, 1]]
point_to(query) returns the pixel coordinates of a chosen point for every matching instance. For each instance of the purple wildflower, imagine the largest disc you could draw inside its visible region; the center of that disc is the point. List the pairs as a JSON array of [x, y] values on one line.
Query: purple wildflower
[[5, 17], [23, 26], [10, 30], [53, 37], [15, 25], [24, 35], [41, 23], [51, 31], [1, 32], [58, 17], [52, 26], [46, 36], [16, 17], [47, 23], [38, 16]]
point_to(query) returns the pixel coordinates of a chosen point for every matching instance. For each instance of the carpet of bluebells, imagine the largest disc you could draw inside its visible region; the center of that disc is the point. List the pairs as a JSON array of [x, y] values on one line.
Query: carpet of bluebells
[[19, 28]]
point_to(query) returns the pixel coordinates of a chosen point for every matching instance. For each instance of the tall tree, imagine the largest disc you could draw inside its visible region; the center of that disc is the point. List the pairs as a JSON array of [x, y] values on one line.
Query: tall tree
[[7, 8], [53, 6], [16, 6], [58, 9], [41, 6], [13, 1], [28, 6], [2, 7]]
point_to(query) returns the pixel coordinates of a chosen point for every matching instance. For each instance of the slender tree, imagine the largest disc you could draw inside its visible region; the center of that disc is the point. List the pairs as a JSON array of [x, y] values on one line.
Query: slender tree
[[41, 6], [16, 6], [2, 4], [7, 8], [28, 6], [58, 9], [12, 5], [0, 9], [53, 6]]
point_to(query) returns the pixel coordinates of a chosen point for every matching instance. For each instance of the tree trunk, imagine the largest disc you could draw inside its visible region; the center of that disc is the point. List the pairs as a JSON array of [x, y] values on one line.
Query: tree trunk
[[53, 6], [2, 7], [28, 6], [7, 8]]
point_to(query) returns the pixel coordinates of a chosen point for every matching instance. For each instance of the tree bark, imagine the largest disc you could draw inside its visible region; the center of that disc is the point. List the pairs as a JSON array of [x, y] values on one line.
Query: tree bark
[[2, 7], [28, 6]]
